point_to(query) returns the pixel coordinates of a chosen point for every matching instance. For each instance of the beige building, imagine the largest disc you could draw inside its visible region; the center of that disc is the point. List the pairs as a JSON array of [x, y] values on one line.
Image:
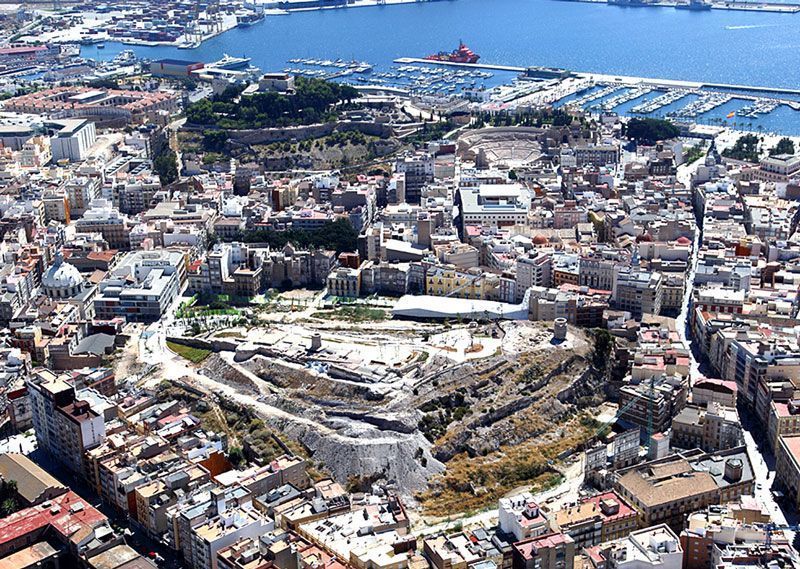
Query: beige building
[[666, 490]]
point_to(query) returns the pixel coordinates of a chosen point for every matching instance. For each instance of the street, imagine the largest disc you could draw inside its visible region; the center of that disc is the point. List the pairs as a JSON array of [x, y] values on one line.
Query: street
[[762, 461]]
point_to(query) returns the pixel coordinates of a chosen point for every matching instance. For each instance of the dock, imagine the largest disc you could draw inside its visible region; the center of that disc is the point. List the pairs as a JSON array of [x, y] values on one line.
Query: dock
[[511, 68], [787, 8], [623, 80]]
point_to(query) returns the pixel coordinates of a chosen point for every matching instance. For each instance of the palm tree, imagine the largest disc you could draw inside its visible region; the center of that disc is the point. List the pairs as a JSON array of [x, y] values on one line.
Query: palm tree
[[8, 507]]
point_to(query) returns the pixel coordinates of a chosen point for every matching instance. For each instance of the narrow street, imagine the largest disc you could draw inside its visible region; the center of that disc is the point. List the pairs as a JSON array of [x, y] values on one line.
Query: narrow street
[[762, 460], [683, 322]]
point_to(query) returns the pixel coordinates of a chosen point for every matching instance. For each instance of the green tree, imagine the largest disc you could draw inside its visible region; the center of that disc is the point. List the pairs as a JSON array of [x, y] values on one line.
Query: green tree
[[313, 101], [649, 131], [601, 351], [236, 456], [8, 507], [784, 146], [339, 235], [215, 140], [201, 112], [8, 498], [166, 166], [745, 148]]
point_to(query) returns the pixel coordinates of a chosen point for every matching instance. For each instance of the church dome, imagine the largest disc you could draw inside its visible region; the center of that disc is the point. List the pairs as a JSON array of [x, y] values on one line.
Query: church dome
[[62, 280]]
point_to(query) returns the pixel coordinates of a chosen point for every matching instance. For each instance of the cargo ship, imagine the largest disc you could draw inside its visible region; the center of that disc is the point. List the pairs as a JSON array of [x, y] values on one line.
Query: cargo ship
[[461, 55]]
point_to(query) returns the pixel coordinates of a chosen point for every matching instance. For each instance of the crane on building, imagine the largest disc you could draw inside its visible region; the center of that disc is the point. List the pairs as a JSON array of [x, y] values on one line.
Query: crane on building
[[469, 282], [769, 529], [622, 410]]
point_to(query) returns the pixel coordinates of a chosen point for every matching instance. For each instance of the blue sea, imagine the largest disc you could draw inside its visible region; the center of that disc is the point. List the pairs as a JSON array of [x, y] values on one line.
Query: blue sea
[[752, 48]]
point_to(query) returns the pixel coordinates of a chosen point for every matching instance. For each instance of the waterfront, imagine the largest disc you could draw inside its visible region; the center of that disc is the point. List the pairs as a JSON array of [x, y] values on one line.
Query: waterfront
[[715, 46], [726, 47]]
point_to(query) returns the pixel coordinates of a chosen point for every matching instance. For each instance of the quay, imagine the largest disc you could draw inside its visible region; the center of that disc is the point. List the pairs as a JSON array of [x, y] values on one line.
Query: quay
[[622, 80], [511, 68], [787, 8]]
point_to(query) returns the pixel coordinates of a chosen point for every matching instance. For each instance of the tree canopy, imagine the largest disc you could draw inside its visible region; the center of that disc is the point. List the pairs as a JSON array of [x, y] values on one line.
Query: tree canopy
[[339, 235], [745, 148], [784, 146], [166, 166], [649, 131], [312, 102]]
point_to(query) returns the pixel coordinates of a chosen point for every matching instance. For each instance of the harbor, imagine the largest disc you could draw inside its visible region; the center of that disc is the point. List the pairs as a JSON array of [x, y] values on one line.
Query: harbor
[[702, 5], [613, 79], [685, 101]]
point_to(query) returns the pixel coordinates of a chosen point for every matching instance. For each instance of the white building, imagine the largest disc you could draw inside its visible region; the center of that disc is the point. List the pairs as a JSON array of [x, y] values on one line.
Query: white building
[[533, 269], [62, 280], [142, 286], [521, 516], [493, 205], [73, 140], [228, 527], [649, 548]]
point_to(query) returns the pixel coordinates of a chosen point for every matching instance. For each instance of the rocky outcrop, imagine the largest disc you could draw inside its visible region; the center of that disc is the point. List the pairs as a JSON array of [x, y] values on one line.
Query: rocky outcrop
[[383, 421], [358, 451]]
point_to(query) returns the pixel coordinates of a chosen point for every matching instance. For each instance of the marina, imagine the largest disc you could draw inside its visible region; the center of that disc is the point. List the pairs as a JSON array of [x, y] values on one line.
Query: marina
[[594, 96], [664, 100], [706, 103], [623, 98], [595, 93], [507, 49]]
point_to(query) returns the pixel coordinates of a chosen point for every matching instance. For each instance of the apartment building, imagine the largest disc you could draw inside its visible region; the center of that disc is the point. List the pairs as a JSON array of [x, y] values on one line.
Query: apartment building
[[226, 528], [418, 170], [344, 282], [656, 547], [548, 551], [664, 491], [787, 467], [522, 517], [710, 428], [711, 530], [638, 292], [106, 220], [142, 286], [596, 519], [532, 269]]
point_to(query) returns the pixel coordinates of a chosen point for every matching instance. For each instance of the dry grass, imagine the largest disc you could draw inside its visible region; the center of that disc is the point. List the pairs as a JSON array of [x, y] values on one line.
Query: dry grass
[[473, 483]]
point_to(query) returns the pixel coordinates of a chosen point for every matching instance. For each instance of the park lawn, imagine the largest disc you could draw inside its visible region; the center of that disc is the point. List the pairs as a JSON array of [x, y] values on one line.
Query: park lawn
[[195, 355], [353, 314]]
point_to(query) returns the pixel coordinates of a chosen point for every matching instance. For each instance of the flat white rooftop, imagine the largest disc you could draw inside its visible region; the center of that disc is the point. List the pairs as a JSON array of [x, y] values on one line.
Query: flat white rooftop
[[424, 306]]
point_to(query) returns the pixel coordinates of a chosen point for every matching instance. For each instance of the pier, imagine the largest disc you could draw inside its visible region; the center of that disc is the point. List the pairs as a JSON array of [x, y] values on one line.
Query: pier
[[788, 8], [511, 68], [622, 80]]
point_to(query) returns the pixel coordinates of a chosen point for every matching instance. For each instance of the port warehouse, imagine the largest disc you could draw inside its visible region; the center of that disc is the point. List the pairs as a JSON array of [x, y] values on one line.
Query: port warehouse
[[175, 67]]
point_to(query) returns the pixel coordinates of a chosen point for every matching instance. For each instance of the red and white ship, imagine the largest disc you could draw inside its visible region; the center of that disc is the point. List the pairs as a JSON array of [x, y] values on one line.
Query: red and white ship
[[461, 55]]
